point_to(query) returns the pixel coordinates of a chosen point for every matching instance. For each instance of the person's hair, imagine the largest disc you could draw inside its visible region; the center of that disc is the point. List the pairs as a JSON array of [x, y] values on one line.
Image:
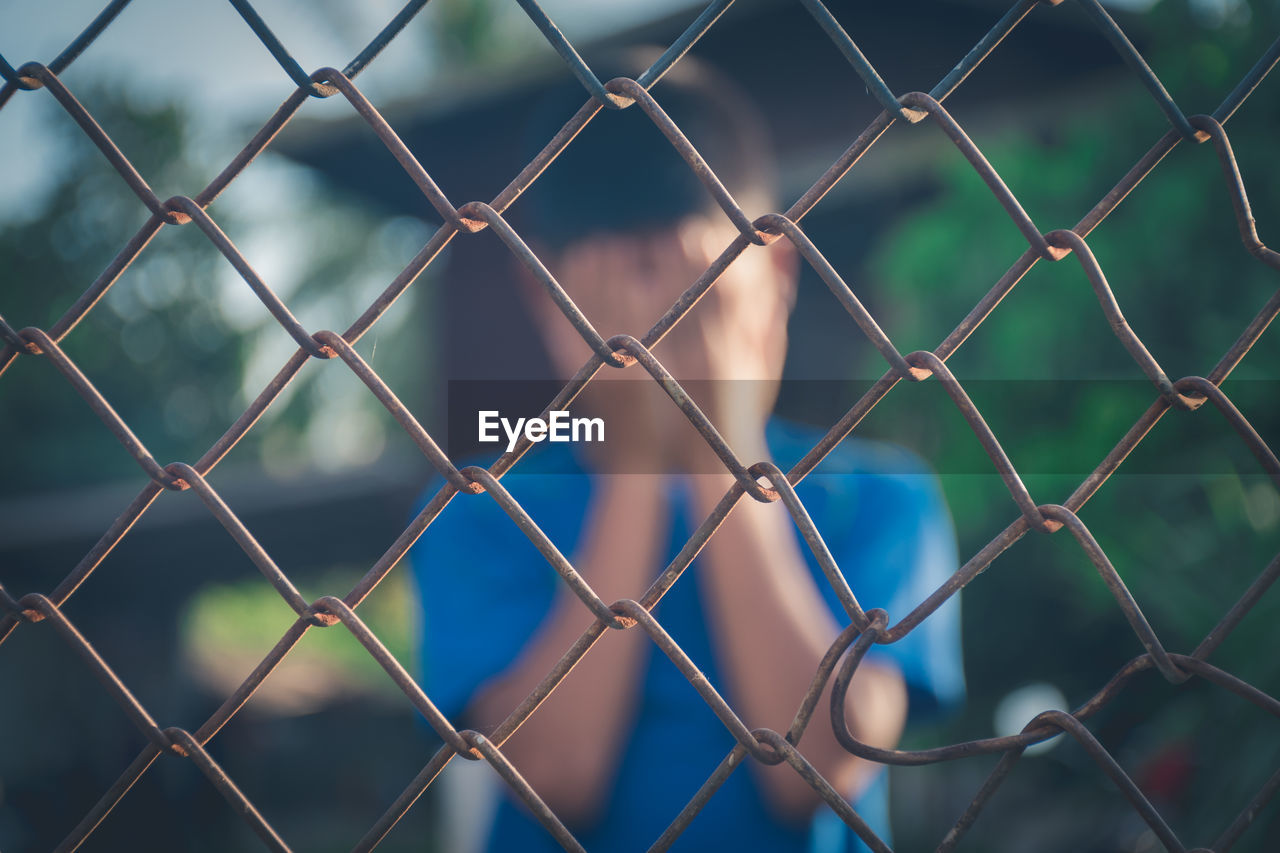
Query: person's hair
[[622, 175]]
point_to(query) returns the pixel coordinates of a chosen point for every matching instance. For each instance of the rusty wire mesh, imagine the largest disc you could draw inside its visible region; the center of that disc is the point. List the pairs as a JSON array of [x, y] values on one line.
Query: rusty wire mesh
[[760, 481]]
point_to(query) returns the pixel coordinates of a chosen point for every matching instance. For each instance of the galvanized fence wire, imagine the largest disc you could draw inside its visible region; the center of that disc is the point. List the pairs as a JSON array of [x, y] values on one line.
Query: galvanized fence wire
[[761, 481]]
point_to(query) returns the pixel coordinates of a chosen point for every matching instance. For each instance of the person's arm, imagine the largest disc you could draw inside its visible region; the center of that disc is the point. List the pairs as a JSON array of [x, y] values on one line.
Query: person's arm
[[770, 624], [771, 629], [568, 750]]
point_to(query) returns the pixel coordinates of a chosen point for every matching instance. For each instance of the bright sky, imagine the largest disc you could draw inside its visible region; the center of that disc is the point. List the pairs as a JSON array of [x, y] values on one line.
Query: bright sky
[[204, 54]]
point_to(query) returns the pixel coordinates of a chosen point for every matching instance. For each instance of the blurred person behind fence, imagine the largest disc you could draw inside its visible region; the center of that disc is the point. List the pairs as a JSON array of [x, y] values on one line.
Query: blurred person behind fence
[[619, 748]]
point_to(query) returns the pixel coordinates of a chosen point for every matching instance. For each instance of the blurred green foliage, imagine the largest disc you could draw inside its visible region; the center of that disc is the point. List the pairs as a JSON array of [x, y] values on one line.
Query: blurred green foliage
[[228, 628], [158, 330], [179, 345], [1190, 520]]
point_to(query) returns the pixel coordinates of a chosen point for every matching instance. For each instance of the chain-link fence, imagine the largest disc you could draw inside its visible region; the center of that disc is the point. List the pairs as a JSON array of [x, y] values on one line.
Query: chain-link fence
[[37, 610]]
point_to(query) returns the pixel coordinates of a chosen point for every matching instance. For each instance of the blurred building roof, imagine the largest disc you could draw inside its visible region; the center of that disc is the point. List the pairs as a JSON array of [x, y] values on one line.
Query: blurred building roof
[[464, 128]]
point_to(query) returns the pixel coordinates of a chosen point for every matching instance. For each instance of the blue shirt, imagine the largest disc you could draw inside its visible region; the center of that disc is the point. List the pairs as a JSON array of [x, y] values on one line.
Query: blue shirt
[[484, 590]]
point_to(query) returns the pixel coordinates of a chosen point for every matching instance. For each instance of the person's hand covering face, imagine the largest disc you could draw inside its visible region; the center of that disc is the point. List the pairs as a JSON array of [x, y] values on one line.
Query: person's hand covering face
[[727, 351]]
